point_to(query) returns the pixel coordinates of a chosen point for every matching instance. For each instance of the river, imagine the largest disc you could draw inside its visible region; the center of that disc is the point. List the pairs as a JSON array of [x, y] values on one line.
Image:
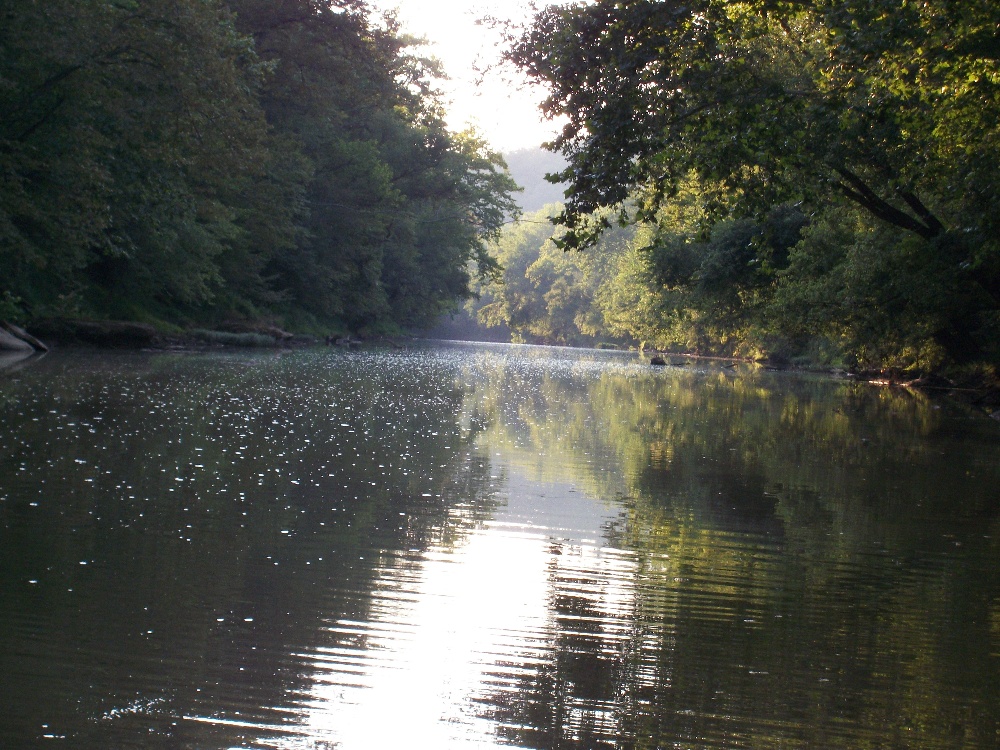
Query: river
[[472, 546]]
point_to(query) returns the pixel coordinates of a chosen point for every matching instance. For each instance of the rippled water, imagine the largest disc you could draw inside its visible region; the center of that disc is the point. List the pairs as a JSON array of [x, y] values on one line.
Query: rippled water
[[476, 546]]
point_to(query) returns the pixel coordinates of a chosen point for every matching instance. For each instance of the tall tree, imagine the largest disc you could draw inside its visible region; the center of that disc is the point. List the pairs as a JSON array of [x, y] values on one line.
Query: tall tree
[[776, 101], [128, 134], [395, 207], [204, 160]]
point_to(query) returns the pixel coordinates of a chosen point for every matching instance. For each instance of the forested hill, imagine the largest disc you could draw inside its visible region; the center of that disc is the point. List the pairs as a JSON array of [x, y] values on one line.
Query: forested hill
[[528, 167], [197, 161]]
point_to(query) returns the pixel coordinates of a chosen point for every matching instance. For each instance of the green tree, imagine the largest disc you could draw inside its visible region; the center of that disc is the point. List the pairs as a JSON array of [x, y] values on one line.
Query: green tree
[[211, 160], [129, 136], [890, 107], [394, 207], [548, 296]]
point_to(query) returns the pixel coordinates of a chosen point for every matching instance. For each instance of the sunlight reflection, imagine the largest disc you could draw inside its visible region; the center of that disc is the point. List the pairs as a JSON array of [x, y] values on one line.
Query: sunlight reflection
[[451, 629]]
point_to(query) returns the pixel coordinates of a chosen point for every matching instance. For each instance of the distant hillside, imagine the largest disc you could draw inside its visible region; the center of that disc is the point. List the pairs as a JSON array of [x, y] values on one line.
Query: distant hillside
[[463, 326], [529, 166]]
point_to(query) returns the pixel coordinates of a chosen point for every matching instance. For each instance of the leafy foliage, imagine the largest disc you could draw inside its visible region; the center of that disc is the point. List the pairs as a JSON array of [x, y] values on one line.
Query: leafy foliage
[[883, 111], [204, 160], [120, 156], [546, 296]]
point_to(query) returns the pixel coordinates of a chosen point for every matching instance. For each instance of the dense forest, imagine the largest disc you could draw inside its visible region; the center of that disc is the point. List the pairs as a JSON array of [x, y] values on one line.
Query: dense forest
[[201, 161], [813, 179]]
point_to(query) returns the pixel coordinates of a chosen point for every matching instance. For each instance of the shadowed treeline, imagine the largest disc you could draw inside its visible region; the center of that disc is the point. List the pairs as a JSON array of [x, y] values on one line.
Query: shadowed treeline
[[198, 163]]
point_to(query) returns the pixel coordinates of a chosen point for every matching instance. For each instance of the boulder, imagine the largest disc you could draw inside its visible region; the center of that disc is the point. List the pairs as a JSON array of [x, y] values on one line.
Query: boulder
[[264, 329], [22, 334], [11, 343]]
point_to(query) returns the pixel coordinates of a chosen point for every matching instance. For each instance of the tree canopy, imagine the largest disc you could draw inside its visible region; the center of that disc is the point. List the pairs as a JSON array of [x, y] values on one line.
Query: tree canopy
[[203, 160], [884, 114]]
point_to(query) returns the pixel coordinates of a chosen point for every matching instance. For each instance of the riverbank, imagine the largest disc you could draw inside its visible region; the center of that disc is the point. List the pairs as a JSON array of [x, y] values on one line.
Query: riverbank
[[118, 334], [977, 388]]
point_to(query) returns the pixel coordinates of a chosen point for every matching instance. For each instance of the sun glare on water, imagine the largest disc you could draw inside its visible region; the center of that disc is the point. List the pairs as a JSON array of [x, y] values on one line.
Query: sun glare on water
[[452, 629]]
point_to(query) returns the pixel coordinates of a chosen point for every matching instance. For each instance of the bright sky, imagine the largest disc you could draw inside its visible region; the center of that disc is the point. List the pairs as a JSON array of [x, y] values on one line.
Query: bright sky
[[504, 112]]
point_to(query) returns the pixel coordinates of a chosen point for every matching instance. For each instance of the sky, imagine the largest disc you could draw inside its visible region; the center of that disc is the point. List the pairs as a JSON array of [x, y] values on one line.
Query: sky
[[504, 112]]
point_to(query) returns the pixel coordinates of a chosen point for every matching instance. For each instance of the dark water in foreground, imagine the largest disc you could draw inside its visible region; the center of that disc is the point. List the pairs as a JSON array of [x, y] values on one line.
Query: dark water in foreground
[[480, 546]]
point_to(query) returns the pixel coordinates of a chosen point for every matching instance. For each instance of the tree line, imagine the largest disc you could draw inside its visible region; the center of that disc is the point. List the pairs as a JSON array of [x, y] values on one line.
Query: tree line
[[809, 179], [195, 161], [802, 178]]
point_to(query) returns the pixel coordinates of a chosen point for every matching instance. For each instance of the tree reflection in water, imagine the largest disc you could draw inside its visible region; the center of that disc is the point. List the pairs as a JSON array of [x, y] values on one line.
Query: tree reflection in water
[[482, 545], [813, 564]]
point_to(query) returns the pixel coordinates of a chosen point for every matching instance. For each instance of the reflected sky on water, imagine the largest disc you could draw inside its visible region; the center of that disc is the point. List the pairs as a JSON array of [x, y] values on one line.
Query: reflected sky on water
[[481, 546]]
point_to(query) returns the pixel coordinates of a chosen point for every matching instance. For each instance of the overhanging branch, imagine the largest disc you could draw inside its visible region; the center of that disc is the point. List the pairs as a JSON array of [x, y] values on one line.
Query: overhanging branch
[[855, 189]]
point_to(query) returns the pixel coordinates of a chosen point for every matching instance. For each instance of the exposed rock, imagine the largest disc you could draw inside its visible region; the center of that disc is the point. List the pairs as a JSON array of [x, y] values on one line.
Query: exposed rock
[[264, 329], [343, 341], [936, 382], [11, 343], [22, 334], [230, 338]]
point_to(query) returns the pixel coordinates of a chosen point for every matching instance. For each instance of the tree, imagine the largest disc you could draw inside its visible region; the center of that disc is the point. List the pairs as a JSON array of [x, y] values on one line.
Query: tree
[[218, 159], [129, 135], [546, 296], [394, 208], [772, 101], [889, 106]]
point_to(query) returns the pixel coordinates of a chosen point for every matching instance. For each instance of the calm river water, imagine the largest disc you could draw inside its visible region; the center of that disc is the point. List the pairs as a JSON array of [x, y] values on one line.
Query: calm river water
[[469, 546]]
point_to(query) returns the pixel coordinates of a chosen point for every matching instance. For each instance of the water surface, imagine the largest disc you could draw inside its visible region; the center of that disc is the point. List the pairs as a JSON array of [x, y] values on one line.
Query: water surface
[[478, 546]]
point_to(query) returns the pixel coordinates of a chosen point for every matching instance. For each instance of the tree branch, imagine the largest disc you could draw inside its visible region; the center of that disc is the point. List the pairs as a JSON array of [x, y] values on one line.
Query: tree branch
[[858, 191], [51, 110], [922, 211]]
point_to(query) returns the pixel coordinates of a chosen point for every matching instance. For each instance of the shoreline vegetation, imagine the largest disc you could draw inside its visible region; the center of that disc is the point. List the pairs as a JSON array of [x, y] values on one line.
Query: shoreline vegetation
[[810, 185], [184, 163], [809, 182]]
